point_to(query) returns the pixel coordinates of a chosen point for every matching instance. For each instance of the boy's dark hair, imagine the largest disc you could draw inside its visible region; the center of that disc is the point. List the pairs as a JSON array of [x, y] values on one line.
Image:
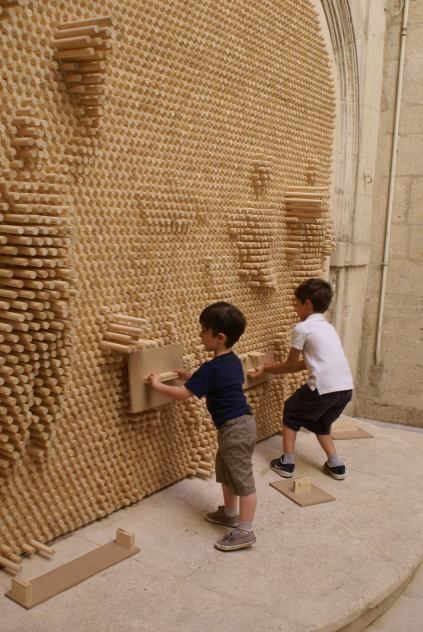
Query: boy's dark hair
[[224, 318], [318, 291]]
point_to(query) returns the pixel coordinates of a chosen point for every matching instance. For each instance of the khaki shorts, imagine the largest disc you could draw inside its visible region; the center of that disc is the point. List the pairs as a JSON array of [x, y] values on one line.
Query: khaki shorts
[[234, 467]]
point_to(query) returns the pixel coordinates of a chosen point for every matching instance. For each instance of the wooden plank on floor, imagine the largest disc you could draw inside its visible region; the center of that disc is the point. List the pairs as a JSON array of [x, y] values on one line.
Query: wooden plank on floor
[[45, 586], [348, 428], [314, 496]]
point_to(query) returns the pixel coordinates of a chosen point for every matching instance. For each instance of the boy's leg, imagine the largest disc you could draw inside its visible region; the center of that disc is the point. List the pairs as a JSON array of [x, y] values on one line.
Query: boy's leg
[[247, 509], [327, 444], [226, 515], [230, 500], [294, 416], [335, 403], [240, 442], [288, 440], [242, 536], [285, 464], [334, 465]]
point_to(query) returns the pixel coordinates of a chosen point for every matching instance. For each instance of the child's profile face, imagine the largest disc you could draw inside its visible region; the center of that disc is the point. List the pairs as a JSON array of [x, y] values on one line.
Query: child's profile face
[[303, 309], [210, 340]]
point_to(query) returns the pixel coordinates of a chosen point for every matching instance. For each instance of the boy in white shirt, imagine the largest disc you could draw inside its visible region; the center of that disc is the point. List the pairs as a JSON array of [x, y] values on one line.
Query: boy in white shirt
[[315, 346]]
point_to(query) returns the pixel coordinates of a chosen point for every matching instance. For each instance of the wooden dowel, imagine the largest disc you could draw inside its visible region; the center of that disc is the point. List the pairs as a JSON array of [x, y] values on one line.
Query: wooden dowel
[[77, 31], [306, 188], [114, 346], [77, 53], [105, 20], [26, 548], [118, 337], [130, 319], [125, 329], [39, 546], [72, 42], [164, 377], [304, 194], [4, 561], [90, 67], [13, 3], [303, 201]]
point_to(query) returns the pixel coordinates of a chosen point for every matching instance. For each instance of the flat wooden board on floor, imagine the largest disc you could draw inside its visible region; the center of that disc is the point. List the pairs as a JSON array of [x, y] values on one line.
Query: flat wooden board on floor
[[45, 586], [315, 496], [141, 364], [348, 428]]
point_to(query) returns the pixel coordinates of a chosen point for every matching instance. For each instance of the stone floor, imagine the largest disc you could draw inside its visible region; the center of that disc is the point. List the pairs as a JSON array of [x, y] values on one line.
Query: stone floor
[[312, 569], [406, 615]]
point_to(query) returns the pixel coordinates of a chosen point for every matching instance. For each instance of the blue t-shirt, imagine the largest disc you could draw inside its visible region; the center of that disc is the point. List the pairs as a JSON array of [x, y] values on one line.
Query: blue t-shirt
[[221, 380]]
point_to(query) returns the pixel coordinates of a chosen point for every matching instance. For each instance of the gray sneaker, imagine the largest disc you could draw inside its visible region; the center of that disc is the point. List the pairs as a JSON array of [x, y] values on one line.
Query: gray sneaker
[[236, 539], [219, 517]]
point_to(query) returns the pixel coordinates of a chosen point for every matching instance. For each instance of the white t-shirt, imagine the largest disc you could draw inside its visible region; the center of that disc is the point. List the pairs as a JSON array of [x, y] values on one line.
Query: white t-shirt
[[323, 355]]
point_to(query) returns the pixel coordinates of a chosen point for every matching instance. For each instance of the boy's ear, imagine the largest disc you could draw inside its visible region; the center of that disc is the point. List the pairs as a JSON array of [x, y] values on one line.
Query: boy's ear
[[309, 304], [222, 337]]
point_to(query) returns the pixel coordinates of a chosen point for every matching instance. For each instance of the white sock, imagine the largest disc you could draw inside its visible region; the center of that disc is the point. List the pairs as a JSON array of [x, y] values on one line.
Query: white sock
[[246, 526], [335, 460]]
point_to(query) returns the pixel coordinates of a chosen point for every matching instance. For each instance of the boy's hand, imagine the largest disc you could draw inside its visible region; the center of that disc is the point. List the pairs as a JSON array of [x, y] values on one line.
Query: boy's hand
[[154, 379], [183, 374], [256, 373]]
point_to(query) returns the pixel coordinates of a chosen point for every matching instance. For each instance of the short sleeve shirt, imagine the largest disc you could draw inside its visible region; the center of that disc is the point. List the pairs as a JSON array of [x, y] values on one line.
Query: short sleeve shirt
[[220, 380], [323, 355]]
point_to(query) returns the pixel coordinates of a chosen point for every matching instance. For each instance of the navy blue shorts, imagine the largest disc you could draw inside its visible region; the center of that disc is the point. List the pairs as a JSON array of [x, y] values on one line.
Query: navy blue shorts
[[307, 409]]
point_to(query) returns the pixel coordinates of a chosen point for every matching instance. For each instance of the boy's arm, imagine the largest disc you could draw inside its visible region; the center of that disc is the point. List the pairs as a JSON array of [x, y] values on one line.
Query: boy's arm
[[292, 364], [183, 374], [178, 393]]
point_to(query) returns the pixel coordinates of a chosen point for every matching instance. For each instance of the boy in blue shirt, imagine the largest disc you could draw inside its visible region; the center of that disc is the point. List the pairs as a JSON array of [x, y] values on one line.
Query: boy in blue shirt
[[220, 380]]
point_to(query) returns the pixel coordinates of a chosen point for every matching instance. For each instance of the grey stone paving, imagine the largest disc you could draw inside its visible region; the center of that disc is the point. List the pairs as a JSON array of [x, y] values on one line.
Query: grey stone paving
[[312, 569]]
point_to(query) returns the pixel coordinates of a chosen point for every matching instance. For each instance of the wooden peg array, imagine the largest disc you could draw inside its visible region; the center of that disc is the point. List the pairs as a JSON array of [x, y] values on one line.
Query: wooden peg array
[[6, 5], [35, 310], [13, 3], [124, 334], [307, 218], [178, 203], [42, 549], [176, 213], [9, 561], [82, 48], [312, 169], [260, 176], [28, 132], [254, 231]]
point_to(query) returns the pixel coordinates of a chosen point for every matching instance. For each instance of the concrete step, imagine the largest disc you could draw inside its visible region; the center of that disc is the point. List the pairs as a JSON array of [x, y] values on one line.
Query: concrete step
[[406, 613]]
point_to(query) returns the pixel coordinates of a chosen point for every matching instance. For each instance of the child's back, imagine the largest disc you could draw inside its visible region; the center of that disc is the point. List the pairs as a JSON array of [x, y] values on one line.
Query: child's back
[[323, 354]]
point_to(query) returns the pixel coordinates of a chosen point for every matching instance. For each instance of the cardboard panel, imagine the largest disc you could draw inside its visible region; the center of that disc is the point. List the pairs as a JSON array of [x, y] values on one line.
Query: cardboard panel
[[141, 364]]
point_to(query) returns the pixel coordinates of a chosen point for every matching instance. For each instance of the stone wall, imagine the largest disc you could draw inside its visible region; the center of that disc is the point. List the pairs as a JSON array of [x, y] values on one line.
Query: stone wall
[[393, 391], [355, 34]]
